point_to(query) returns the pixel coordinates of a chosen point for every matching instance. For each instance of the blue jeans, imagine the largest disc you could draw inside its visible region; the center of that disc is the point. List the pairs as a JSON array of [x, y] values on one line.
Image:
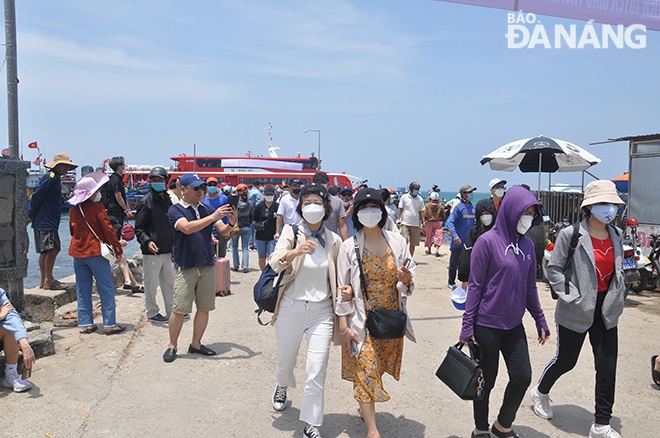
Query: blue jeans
[[264, 247], [244, 234], [99, 268], [253, 236]]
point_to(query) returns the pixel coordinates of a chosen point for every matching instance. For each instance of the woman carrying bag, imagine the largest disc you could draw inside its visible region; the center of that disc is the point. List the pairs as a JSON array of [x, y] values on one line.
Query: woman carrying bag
[[501, 287], [91, 229], [591, 305], [388, 270], [305, 305]]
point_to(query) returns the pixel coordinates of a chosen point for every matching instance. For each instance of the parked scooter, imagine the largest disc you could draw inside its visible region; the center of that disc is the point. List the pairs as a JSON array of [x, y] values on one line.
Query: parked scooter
[[637, 268], [653, 281]]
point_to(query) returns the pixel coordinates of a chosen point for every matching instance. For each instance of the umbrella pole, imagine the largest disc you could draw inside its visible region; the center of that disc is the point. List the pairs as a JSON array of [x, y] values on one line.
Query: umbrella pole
[[539, 185]]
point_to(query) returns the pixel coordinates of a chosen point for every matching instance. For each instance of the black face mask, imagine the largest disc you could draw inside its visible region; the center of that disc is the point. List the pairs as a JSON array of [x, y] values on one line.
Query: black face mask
[[244, 197], [296, 191]]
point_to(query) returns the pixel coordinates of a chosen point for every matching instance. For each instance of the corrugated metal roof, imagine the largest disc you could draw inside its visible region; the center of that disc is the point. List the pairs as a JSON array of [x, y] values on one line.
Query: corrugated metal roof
[[635, 138]]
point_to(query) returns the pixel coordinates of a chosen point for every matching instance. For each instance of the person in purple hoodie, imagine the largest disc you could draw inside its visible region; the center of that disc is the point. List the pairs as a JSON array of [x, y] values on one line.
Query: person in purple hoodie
[[502, 285]]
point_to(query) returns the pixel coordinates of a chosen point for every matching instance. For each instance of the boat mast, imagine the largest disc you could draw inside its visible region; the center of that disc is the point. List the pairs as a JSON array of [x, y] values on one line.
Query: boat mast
[[272, 150]]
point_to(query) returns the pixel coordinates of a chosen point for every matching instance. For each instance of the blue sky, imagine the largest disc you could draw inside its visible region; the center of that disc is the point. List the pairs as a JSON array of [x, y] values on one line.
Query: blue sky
[[401, 90]]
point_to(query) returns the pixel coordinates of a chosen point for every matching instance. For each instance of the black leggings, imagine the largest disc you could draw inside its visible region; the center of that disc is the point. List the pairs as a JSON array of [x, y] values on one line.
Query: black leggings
[[604, 344], [513, 345]]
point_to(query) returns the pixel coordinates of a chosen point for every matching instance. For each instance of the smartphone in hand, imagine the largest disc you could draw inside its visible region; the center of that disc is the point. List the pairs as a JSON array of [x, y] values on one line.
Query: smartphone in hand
[[233, 200], [355, 350]]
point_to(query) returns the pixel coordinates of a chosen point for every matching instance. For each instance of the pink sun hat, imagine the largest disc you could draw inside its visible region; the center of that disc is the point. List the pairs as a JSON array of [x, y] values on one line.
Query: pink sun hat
[[87, 186]]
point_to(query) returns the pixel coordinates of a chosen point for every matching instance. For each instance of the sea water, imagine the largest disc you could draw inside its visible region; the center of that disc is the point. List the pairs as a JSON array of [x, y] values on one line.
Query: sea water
[[64, 262]]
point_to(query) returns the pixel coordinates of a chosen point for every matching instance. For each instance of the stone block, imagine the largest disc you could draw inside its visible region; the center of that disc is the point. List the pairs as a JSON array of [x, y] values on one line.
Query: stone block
[[41, 304]]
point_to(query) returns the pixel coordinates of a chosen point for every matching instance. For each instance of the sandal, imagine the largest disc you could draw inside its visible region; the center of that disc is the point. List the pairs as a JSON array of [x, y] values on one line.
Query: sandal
[[655, 374], [115, 330], [56, 285], [88, 330], [498, 433]]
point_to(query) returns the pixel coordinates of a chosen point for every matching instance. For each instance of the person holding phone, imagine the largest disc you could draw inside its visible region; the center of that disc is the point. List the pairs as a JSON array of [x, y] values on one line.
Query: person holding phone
[[390, 273]]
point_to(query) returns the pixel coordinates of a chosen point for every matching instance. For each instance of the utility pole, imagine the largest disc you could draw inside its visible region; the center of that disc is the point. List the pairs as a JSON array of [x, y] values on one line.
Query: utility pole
[[14, 266]]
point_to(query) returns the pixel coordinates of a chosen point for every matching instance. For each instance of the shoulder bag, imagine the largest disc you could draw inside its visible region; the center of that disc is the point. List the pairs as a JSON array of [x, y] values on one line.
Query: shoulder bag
[[463, 373], [107, 252], [381, 323]]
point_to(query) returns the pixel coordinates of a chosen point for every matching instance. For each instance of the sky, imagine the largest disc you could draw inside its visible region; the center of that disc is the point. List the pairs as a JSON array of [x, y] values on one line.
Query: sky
[[400, 90]]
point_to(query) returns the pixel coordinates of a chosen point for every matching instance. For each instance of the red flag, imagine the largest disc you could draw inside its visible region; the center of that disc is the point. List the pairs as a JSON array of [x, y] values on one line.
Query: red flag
[[37, 161], [5, 151], [33, 145]]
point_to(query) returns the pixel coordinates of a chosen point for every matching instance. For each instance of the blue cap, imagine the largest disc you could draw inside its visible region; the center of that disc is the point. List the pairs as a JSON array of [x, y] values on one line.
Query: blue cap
[[346, 189], [191, 179], [458, 298]]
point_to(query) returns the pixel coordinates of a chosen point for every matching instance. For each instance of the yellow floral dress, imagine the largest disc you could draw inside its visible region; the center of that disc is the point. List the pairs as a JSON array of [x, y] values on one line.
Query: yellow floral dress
[[378, 356]]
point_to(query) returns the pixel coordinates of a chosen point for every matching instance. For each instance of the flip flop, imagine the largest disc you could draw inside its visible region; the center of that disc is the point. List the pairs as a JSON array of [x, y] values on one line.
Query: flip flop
[[115, 330], [56, 285], [89, 329], [655, 374]]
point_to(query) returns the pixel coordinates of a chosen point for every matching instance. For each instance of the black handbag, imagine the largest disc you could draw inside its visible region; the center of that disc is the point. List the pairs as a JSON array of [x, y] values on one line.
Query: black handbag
[[462, 373], [381, 323]]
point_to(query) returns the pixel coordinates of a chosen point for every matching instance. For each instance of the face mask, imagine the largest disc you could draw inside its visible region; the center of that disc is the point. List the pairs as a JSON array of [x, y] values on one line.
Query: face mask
[[370, 216], [486, 219], [296, 191], [415, 192], [470, 196], [499, 193], [244, 197], [604, 213], [347, 204], [159, 187], [261, 189], [269, 198], [313, 213], [212, 190], [524, 224], [97, 197]]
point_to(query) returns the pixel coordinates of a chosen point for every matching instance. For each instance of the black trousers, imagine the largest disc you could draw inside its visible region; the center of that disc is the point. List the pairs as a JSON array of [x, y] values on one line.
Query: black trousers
[[454, 257], [604, 344], [513, 345]]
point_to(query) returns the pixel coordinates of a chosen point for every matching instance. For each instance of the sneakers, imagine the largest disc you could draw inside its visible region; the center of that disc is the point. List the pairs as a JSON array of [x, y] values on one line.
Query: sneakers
[[279, 398], [14, 381], [451, 286], [541, 402], [158, 319], [311, 432], [603, 432]]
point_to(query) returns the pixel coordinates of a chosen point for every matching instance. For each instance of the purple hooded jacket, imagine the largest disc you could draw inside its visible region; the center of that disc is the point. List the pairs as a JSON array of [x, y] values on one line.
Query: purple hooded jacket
[[503, 271]]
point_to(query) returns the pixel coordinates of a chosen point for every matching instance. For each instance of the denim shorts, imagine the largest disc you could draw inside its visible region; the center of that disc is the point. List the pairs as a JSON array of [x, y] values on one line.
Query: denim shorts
[[264, 247]]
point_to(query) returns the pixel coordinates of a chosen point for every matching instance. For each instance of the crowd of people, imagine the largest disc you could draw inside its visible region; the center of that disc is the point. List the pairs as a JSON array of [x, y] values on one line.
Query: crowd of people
[[345, 254]]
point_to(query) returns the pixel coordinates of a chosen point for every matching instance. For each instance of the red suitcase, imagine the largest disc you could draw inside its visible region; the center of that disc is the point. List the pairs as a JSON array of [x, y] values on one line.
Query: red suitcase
[[222, 282]]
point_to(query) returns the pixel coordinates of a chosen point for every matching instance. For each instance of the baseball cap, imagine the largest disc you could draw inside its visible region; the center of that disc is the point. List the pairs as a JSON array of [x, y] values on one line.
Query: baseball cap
[[346, 189], [191, 179], [414, 185], [269, 190], [495, 181], [315, 189], [320, 177], [294, 181], [467, 188], [367, 195], [211, 179], [458, 298]]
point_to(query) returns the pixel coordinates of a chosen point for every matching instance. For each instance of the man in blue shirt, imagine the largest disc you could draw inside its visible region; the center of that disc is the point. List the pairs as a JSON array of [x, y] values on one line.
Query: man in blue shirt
[[45, 211], [194, 278], [459, 223], [13, 337]]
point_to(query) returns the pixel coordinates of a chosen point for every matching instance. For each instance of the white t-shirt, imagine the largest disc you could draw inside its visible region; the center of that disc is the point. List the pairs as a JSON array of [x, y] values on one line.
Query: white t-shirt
[[311, 282], [287, 210], [410, 208]]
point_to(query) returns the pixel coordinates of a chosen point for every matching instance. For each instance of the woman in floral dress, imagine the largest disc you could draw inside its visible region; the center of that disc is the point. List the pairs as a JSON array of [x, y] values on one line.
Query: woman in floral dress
[[389, 279]]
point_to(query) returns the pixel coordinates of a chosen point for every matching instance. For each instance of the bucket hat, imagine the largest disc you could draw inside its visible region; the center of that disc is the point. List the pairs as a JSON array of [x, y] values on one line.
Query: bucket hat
[[495, 181], [61, 159], [601, 191], [87, 186]]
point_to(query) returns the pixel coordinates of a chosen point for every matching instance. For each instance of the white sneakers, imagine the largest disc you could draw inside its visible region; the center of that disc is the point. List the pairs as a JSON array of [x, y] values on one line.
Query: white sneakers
[[603, 432], [14, 381], [541, 402]]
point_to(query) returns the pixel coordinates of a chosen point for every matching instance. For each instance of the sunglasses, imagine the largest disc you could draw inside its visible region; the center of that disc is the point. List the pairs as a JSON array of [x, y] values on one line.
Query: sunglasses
[[201, 187]]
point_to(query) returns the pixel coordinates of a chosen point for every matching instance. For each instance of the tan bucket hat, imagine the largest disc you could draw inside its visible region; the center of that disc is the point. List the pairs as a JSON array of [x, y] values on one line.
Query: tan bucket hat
[[61, 159], [601, 191]]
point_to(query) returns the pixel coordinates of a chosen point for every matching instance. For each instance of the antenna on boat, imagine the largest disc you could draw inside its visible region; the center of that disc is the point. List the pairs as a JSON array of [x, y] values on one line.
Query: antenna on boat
[[194, 158], [272, 150]]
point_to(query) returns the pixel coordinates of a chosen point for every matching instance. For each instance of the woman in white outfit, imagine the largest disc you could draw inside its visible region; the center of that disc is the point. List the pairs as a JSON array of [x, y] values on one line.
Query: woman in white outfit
[[305, 306]]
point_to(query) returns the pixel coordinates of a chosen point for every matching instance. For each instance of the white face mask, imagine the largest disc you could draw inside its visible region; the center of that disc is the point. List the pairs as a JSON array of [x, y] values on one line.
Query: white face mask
[[370, 216], [500, 193], [525, 223], [605, 213], [269, 198], [347, 204], [486, 219], [97, 197], [313, 213]]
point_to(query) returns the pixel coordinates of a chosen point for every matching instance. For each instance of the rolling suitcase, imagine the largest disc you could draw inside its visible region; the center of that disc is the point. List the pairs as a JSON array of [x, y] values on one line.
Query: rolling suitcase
[[222, 282]]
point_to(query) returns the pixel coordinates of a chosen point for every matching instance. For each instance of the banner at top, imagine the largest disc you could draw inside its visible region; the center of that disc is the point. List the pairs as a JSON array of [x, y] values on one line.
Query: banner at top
[[626, 12]]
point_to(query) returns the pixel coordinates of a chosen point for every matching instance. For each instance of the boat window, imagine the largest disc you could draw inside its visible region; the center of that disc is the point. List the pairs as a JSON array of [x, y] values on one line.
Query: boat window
[[209, 162]]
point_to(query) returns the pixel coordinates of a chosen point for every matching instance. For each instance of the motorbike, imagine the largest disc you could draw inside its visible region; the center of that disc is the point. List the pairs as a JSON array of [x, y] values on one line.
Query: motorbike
[[637, 268], [653, 280]]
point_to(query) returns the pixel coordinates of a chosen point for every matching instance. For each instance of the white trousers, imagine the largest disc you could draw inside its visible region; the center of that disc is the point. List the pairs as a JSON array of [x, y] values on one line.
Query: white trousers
[[158, 271], [315, 320]]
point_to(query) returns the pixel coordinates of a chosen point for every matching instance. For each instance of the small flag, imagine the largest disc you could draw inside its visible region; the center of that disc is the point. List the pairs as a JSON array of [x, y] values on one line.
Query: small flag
[[37, 161], [5, 151], [33, 145]]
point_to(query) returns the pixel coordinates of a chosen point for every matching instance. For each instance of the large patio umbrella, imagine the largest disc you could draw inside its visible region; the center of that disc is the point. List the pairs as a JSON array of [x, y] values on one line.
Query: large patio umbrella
[[540, 154], [621, 182]]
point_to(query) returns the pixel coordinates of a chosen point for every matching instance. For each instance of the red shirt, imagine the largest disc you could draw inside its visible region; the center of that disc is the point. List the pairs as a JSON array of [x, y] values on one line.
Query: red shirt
[[83, 243], [604, 256]]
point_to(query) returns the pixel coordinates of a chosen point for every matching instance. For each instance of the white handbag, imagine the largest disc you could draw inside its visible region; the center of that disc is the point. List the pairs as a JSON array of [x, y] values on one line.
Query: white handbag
[[107, 252]]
